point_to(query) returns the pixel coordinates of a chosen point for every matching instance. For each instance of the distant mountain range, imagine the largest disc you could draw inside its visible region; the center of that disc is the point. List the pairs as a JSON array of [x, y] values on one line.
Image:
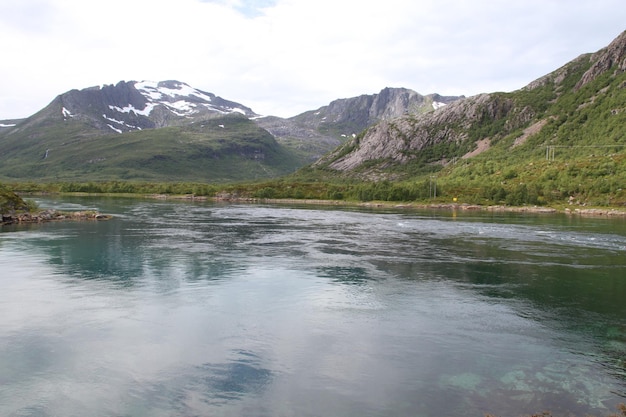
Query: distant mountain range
[[170, 131], [144, 130]]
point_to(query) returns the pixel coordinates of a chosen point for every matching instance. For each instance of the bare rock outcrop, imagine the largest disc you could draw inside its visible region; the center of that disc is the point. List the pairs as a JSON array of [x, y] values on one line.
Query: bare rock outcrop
[[605, 59], [400, 139]]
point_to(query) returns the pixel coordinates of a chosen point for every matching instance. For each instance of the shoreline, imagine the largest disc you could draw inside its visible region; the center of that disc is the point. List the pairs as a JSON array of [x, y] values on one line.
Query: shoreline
[[572, 211], [51, 215]]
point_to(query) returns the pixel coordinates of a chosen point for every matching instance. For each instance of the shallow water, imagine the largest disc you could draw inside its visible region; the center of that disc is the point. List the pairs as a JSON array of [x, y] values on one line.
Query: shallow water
[[189, 309]]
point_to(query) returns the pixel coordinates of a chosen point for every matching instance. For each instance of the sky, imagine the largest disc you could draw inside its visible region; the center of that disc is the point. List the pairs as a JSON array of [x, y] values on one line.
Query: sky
[[284, 57]]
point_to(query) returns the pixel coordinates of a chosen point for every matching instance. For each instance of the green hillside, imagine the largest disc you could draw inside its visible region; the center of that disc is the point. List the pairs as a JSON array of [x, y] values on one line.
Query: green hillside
[[560, 139], [574, 146], [228, 148]]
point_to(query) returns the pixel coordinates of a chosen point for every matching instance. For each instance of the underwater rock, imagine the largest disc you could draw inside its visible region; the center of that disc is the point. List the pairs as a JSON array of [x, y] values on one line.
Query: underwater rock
[[467, 381], [516, 380]]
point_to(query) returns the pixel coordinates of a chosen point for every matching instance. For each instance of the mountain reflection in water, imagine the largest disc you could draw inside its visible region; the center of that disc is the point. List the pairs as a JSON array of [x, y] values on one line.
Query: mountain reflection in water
[[179, 308]]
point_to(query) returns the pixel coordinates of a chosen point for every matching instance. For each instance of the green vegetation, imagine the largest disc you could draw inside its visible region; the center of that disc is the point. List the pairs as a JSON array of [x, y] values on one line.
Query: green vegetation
[[228, 148], [11, 202], [549, 144]]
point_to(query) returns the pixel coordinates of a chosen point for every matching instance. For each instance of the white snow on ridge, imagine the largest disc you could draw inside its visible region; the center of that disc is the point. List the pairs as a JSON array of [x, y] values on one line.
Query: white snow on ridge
[[4, 125], [119, 122], [182, 106], [129, 108], [152, 91], [180, 100], [438, 105], [66, 113], [237, 110], [115, 129]]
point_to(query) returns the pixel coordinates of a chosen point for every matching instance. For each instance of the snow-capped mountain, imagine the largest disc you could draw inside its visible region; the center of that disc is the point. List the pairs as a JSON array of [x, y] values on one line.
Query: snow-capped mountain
[[129, 106], [169, 130]]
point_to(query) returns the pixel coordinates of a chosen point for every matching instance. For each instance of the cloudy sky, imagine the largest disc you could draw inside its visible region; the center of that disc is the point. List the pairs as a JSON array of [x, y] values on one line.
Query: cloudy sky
[[283, 57]]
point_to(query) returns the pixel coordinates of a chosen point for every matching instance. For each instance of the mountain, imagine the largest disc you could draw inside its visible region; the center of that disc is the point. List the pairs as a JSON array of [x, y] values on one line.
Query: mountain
[[161, 131], [322, 130], [170, 131], [563, 134], [132, 106]]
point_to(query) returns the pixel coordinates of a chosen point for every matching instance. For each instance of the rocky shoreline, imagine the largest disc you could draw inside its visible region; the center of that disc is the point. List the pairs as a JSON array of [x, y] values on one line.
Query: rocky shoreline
[[52, 215], [596, 212], [589, 212]]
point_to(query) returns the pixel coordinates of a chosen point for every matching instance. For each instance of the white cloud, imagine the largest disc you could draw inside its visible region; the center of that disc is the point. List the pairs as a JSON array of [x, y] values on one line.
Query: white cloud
[[283, 57]]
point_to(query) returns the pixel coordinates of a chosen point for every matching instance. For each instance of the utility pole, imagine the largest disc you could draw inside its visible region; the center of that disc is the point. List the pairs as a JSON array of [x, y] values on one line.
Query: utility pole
[[432, 192]]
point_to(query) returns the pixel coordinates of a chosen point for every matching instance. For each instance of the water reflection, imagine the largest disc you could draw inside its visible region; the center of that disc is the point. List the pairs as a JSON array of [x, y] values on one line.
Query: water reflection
[[345, 275], [202, 309], [205, 387], [233, 380]]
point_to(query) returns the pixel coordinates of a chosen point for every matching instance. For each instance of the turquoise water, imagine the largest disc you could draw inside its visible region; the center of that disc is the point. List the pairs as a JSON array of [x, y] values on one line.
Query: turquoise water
[[194, 309]]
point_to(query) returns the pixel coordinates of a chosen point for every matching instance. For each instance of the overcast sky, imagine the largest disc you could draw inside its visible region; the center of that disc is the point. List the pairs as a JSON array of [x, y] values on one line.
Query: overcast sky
[[283, 57]]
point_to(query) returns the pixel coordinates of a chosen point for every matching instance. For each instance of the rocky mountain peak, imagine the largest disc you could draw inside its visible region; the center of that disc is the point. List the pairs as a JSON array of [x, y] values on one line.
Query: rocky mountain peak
[[349, 116], [132, 105], [613, 55]]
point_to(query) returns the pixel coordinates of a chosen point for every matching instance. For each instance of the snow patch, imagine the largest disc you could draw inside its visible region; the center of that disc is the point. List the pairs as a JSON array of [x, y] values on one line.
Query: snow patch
[[145, 112], [120, 122], [152, 91], [115, 129], [3, 125], [212, 107], [238, 110], [182, 106], [179, 98], [66, 113], [438, 105]]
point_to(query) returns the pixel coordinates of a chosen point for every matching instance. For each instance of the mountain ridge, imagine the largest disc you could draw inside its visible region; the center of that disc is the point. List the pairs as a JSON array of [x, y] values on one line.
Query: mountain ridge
[[396, 134], [100, 113], [459, 124]]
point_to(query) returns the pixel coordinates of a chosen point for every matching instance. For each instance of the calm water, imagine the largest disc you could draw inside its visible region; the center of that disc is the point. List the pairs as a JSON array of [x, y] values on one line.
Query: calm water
[[198, 309]]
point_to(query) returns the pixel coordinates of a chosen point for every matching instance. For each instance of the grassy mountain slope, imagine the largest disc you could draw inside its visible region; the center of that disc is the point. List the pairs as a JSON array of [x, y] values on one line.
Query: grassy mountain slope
[[219, 149], [561, 136]]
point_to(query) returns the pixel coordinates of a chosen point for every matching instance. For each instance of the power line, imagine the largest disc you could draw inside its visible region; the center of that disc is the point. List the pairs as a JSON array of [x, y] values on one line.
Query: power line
[[551, 149]]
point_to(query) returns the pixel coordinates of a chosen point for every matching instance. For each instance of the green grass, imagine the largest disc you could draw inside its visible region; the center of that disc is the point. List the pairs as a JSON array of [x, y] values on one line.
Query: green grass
[[199, 152]]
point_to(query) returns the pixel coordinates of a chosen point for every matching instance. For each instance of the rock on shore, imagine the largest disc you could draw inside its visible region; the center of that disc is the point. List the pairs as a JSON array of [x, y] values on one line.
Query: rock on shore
[[52, 215]]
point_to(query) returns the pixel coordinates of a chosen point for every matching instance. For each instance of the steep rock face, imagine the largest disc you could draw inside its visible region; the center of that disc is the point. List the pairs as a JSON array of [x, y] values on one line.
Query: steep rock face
[[353, 115], [606, 58], [324, 129], [397, 140], [458, 128]]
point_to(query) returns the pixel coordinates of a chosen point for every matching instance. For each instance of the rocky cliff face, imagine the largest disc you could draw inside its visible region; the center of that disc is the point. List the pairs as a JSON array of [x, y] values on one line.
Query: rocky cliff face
[[352, 115], [398, 140], [613, 56], [342, 119], [459, 128]]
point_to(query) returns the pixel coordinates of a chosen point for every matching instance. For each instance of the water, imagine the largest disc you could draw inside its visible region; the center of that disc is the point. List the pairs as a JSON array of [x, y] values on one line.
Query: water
[[195, 309]]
